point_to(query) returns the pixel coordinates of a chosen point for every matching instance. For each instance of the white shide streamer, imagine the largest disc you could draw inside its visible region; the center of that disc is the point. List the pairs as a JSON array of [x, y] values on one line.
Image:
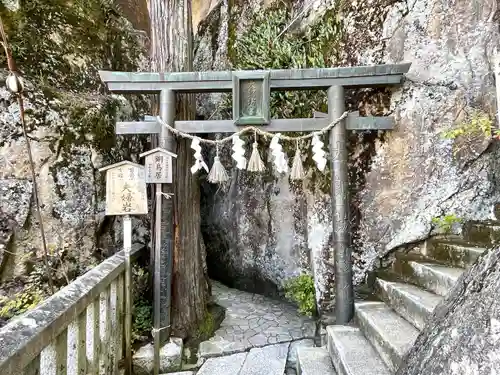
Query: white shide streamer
[[199, 163], [239, 152], [278, 154], [318, 152]]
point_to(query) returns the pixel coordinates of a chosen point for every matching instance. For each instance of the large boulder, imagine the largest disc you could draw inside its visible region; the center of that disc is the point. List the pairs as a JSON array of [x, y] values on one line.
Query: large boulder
[[463, 334], [417, 173], [71, 136]]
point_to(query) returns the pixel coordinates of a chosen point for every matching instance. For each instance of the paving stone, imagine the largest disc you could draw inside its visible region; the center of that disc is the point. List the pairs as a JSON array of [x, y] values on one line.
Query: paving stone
[[253, 321], [292, 352], [314, 361], [181, 373], [228, 365], [170, 357], [269, 360]]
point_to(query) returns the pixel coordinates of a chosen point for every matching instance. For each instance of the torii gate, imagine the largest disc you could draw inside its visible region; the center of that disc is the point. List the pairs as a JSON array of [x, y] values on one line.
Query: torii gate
[[255, 87]]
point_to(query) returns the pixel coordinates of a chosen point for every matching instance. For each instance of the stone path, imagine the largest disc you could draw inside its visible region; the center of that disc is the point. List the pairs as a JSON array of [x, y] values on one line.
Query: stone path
[[253, 321], [268, 360]]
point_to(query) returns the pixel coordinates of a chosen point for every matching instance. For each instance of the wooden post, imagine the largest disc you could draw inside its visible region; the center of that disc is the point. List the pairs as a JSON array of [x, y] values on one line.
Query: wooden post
[[127, 246], [344, 297], [158, 166]]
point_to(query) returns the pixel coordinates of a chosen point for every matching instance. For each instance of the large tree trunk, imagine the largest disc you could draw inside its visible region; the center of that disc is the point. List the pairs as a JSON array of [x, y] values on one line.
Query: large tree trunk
[[171, 50]]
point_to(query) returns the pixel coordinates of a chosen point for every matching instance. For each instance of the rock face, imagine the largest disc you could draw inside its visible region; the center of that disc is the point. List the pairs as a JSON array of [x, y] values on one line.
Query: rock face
[[416, 174], [264, 232], [462, 335], [15, 199], [71, 137]]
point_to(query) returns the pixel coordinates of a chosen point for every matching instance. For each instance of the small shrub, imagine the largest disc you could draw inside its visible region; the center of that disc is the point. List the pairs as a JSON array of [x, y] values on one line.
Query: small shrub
[[142, 313], [478, 123], [301, 290], [142, 319], [446, 222]]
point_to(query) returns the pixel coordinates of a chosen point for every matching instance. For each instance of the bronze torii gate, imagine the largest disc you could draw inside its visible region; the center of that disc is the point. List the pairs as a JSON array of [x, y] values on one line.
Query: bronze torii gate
[[251, 91]]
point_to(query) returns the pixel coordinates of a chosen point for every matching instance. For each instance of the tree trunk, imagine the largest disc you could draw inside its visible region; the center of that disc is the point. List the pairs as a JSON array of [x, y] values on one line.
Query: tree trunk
[[171, 51]]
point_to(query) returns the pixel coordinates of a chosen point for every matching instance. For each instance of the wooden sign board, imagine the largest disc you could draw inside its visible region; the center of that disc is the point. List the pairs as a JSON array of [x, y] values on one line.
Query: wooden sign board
[[125, 189], [158, 166]]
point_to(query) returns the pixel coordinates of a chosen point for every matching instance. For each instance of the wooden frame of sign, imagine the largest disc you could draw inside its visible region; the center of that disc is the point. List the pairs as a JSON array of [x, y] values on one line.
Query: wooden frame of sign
[[125, 189], [158, 164]]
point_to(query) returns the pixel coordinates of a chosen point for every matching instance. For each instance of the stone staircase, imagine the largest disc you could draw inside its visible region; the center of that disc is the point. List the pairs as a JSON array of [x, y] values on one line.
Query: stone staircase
[[385, 329]]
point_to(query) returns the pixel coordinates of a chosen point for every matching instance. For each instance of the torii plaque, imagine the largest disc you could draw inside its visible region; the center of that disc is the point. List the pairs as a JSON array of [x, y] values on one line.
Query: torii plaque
[[251, 106]]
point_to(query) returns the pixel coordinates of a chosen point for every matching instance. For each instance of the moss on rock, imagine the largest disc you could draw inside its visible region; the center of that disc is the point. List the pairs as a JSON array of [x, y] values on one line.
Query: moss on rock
[[63, 44], [59, 46]]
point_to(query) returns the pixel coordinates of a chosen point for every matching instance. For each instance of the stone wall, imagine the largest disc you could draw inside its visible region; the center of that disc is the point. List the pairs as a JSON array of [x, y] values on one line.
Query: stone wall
[[417, 174]]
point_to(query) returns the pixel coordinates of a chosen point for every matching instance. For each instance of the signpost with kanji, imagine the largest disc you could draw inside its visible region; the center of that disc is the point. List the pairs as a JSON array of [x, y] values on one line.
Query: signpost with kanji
[[158, 163], [125, 196]]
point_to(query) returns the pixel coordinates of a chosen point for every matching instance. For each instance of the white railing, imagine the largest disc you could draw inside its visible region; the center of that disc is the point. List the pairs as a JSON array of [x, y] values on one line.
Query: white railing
[[77, 331]]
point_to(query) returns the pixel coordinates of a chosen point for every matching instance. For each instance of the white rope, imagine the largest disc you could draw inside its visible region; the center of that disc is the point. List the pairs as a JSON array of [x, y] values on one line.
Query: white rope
[[252, 129], [166, 195], [155, 330]]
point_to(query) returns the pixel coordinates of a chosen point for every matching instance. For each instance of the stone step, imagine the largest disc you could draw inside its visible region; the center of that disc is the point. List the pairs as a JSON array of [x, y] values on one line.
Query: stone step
[[411, 302], [269, 360], [314, 361], [456, 253], [484, 233], [435, 278], [418, 270], [227, 365], [352, 354], [390, 334]]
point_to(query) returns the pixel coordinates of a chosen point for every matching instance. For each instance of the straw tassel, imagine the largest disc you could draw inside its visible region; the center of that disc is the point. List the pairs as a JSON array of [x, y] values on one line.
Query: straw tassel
[[297, 172], [255, 163], [217, 173]]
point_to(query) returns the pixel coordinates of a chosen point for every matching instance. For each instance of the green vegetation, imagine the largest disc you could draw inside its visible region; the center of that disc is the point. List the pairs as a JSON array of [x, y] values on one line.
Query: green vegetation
[[87, 124], [264, 46], [301, 290], [142, 312], [20, 302], [476, 124], [206, 328], [63, 44], [446, 222]]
